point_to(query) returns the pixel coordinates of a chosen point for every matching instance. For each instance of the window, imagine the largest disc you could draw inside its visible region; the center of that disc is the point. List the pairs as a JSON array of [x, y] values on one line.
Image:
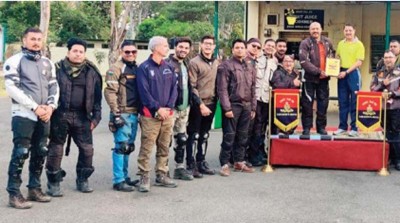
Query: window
[[378, 48]]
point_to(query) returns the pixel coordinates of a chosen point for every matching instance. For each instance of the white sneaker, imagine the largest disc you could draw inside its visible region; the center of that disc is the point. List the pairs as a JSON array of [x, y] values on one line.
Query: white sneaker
[[339, 132], [353, 133]]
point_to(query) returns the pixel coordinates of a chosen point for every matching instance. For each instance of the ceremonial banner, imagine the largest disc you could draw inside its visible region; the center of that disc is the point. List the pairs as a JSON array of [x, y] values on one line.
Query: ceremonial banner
[[332, 67], [286, 108], [368, 111]]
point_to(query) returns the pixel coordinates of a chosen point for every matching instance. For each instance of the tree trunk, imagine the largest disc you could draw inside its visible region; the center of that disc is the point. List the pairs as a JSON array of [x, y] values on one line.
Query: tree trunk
[[44, 25], [118, 30]]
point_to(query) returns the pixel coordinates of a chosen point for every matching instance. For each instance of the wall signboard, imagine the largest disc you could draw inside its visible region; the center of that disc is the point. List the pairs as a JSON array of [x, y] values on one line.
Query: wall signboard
[[300, 19]]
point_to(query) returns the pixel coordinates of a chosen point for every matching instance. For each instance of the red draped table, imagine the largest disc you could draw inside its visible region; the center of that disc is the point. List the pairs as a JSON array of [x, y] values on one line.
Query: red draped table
[[350, 155]]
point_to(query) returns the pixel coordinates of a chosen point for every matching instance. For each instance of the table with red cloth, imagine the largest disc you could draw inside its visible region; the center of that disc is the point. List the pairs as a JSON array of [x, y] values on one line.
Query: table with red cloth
[[341, 154]]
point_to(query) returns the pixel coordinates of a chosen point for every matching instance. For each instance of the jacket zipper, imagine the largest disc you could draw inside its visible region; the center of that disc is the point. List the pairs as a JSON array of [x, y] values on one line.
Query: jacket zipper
[[40, 82]]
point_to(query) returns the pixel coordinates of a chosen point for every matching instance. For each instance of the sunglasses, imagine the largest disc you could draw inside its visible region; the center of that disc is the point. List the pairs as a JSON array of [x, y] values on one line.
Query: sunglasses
[[127, 52], [255, 46]]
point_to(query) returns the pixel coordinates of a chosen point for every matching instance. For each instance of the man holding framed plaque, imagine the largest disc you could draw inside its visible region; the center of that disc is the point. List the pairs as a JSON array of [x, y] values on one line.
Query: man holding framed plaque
[[313, 52], [351, 53]]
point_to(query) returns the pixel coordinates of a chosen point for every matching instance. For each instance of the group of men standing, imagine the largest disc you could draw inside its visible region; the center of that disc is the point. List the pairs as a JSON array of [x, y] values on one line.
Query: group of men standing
[[173, 98], [68, 95], [161, 95], [387, 77]]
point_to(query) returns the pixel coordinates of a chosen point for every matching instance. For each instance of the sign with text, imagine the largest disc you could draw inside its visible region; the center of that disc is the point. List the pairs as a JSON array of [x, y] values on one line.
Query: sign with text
[[368, 110], [286, 108], [300, 19]]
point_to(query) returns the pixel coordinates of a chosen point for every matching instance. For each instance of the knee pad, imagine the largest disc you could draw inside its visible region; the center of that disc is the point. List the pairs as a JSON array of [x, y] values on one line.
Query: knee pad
[[193, 137], [181, 139], [22, 153], [43, 151], [204, 138], [122, 148], [130, 149], [193, 140], [19, 156], [179, 149]]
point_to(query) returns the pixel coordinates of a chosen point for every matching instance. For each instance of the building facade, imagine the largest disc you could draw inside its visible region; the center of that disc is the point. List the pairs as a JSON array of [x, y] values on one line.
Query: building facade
[[290, 20]]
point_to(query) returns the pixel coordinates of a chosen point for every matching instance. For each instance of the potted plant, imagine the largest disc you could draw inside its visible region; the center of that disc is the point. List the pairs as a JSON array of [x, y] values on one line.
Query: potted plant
[[290, 16]]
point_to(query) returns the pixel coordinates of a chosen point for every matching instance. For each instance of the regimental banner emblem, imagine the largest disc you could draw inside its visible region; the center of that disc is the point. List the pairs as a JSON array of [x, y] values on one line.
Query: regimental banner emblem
[[368, 111], [286, 108]]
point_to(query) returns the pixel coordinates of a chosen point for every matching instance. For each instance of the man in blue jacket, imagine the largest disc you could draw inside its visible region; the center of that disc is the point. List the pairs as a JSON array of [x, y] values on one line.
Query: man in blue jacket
[[156, 81]]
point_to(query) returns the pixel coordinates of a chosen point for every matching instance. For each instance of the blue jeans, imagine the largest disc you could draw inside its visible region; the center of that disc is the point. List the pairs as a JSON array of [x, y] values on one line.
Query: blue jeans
[[124, 135], [347, 98]]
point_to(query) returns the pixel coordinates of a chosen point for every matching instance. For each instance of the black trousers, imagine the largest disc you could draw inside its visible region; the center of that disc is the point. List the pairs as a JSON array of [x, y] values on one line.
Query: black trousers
[[258, 127], [321, 91], [235, 131], [393, 134], [77, 125], [198, 125], [28, 137]]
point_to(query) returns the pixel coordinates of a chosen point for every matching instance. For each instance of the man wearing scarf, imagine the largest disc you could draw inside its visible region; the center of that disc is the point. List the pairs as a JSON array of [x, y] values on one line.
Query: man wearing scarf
[[30, 81], [79, 112]]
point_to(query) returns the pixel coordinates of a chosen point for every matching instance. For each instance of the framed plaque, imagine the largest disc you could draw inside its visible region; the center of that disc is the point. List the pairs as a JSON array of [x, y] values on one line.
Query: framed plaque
[[332, 67]]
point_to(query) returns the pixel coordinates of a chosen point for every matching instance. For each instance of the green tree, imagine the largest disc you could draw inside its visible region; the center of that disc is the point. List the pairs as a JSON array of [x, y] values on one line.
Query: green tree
[[195, 19], [148, 27], [161, 26], [189, 11], [57, 9], [231, 23], [18, 16], [85, 19], [74, 23], [199, 29]]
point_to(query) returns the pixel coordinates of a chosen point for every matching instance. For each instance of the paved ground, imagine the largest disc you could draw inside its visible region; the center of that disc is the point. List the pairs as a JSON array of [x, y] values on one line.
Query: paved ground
[[288, 195]]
